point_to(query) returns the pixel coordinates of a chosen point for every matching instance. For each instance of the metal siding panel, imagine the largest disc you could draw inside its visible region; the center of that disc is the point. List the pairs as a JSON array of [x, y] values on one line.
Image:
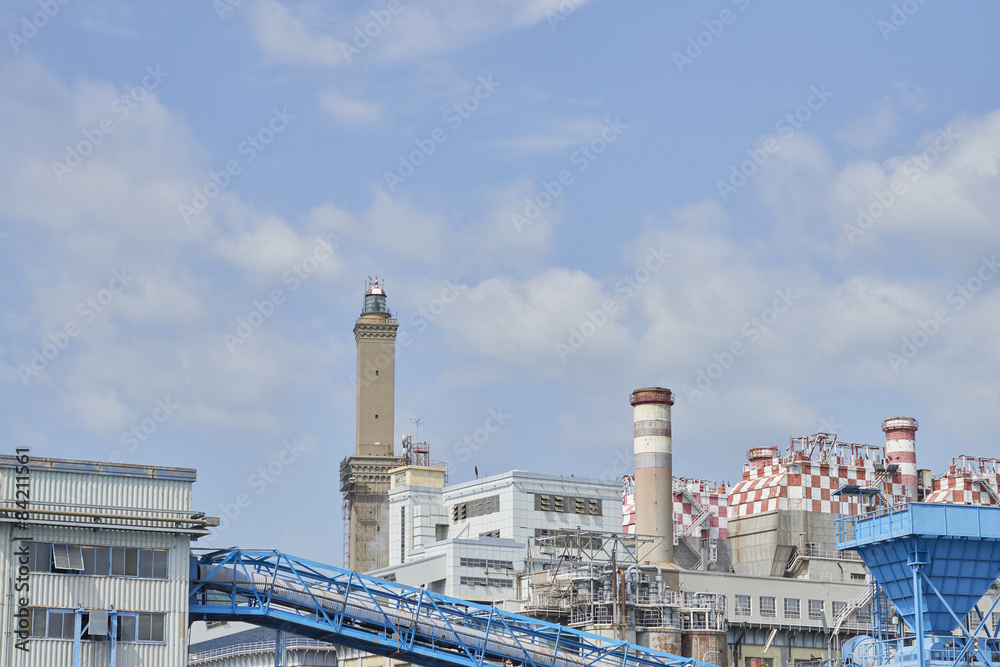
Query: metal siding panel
[[124, 593], [83, 489], [51, 652]]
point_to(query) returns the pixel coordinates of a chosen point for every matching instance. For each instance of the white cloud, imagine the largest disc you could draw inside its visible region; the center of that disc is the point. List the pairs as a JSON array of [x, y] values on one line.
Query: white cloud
[[269, 247], [942, 198], [556, 134], [285, 38], [163, 334], [794, 182], [392, 229], [871, 131], [351, 111], [417, 31], [533, 11], [522, 321], [97, 410]]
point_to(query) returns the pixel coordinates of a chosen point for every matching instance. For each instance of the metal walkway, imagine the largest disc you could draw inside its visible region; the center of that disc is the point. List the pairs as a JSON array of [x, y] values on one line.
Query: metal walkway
[[275, 590]]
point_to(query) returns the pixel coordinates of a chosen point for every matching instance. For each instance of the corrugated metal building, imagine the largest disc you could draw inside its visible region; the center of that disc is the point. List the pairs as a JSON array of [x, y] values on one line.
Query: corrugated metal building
[[95, 561]]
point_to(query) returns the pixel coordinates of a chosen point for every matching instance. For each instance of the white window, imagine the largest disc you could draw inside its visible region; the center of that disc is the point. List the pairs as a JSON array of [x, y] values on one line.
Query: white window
[[767, 607], [742, 605]]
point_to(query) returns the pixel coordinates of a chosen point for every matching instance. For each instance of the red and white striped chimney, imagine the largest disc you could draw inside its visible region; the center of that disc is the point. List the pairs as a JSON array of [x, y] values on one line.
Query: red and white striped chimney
[[901, 449], [654, 494]]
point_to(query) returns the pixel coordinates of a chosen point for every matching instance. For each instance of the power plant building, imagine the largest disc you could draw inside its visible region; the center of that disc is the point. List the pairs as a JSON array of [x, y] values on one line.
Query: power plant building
[[99, 569], [469, 540], [95, 564], [752, 576]]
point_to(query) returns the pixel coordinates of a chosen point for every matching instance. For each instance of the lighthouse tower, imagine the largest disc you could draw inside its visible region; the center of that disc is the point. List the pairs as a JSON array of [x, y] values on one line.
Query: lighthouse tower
[[375, 335], [364, 476]]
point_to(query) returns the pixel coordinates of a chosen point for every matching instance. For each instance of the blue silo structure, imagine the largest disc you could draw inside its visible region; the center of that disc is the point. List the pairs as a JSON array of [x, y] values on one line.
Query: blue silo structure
[[935, 562]]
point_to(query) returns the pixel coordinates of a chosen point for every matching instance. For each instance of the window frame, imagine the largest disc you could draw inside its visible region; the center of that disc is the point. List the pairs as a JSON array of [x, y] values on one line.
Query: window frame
[[764, 611], [138, 619], [99, 560], [155, 622]]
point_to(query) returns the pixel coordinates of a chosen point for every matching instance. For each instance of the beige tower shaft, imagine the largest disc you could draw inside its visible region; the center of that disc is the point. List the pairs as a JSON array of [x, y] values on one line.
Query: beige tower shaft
[[654, 495], [375, 335], [364, 476]]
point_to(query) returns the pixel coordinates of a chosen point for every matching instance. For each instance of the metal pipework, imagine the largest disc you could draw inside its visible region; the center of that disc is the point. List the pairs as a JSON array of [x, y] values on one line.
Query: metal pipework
[[274, 590], [901, 449], [654, 494]]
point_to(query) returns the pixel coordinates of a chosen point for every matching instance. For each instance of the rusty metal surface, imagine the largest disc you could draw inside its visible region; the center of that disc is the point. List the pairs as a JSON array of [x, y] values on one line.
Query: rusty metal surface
[[652, 395], [103, 468]]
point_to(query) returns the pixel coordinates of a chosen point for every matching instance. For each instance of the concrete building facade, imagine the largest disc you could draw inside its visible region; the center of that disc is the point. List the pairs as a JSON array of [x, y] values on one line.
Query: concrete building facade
[[470, 540]]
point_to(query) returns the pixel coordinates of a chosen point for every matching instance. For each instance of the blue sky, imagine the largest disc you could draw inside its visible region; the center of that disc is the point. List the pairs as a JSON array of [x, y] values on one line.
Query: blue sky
[[784, 213]]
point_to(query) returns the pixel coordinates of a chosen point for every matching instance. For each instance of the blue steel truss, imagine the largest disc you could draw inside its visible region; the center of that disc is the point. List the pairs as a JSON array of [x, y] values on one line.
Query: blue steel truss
[[935, 562], [275, 590]]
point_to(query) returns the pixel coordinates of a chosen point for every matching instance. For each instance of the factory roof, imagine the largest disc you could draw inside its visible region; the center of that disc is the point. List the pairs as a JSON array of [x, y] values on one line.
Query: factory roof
[[535, 476], [101, 468]]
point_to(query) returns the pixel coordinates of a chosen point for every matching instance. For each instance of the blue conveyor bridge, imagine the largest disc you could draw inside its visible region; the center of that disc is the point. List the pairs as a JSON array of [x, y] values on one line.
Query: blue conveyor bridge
[[289, 594]]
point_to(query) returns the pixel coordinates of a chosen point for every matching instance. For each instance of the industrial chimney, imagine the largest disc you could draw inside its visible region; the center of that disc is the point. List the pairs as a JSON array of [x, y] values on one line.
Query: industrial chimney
[[901, 449], [654, 494]]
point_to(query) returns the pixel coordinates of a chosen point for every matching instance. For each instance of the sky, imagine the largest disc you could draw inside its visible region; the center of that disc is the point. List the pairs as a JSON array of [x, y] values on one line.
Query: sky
[[786, 213]]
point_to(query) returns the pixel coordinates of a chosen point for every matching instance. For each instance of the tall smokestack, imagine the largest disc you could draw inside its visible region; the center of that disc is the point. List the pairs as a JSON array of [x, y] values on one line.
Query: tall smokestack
[[901, 448], [654, 493]]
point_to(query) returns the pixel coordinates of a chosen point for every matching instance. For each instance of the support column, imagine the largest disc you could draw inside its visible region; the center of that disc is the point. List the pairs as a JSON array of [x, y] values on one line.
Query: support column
[[918, 605], [77, 636], [280, 657], [113, 660]]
